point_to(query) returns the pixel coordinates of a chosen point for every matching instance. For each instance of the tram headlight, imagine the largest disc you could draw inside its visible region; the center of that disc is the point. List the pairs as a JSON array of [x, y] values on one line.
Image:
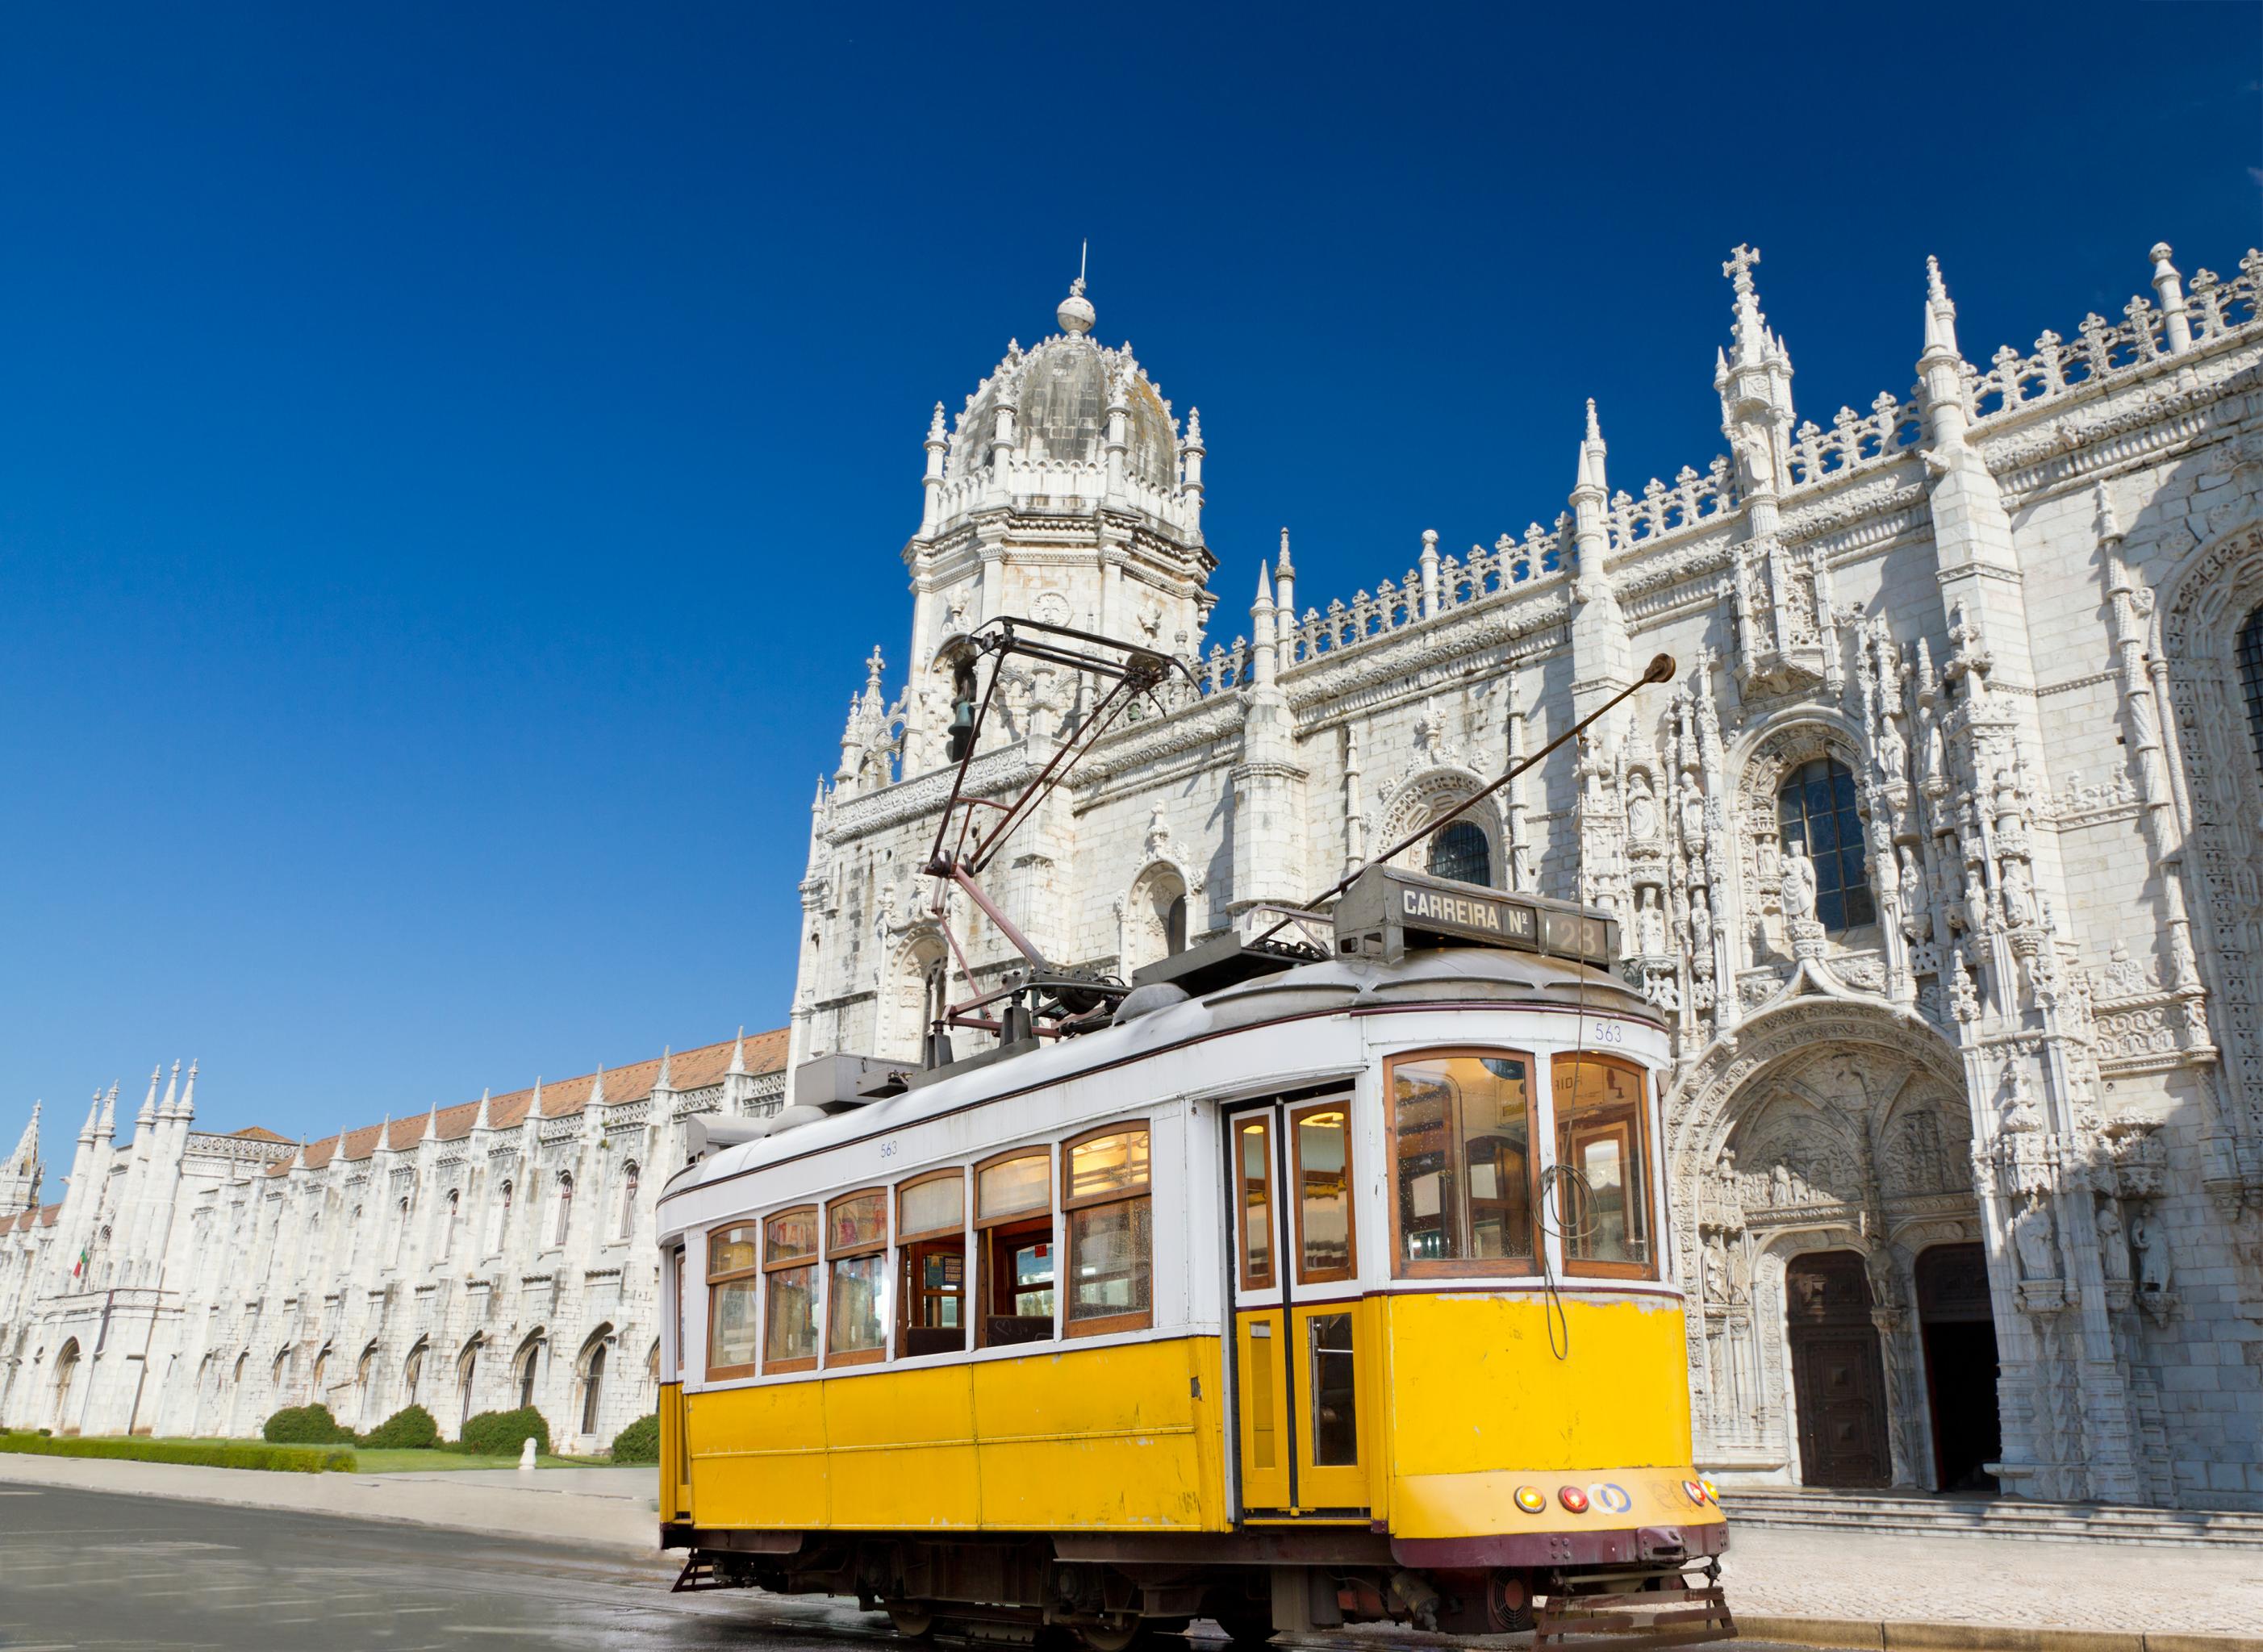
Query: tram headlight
[[1694, 1490], [1531, 1499], [1712, 1491], [1573, 1499]]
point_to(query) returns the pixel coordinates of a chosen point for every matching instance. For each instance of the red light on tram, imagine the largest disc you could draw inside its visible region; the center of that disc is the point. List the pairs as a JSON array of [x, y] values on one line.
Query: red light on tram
[[1694, 1492], [1572, 1498]]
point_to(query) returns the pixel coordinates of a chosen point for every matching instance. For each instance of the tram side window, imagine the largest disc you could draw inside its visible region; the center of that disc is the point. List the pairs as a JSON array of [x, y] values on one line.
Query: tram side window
[[1014, 1208], [732, 1284], [1111, 1233], [855, 1249], [1320, 1150], [1253, 1152], [1461, 1131], [931, 1262], [1602, 1135], [790, 1296]]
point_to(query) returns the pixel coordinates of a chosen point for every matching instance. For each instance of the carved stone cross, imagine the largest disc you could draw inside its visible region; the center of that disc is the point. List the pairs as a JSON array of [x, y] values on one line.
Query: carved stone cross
[[1739, 267]]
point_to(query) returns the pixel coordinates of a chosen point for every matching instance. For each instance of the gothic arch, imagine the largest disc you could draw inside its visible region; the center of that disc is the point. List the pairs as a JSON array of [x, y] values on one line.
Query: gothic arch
[[2201, 608], [1144, 915], [1424, 796], [904, 1014]]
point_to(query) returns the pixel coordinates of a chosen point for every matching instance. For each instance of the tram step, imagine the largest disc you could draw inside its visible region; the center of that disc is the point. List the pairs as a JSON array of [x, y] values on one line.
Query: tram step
[[1651, 1618], [1921, 1514]]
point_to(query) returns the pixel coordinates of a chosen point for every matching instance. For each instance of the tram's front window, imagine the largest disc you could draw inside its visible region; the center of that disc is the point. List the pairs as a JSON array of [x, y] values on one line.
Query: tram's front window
[[1600, 1137], [1462, 1127]]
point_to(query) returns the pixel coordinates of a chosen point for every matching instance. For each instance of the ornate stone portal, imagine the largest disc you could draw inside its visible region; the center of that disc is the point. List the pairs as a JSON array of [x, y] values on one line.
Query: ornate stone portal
[[1833, 1130]]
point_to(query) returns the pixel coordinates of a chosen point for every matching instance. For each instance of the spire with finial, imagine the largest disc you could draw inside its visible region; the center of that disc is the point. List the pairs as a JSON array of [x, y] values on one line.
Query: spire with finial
[[738, 1054], [433, 1124], [27, 1146], [665, 1080], [1939, 315], [108, 1129], [188, 1107], [534, 1107], [479, 1120], [93, 1113], [598, 1088], [1284, 583], [150, 1106], [1076, 313]]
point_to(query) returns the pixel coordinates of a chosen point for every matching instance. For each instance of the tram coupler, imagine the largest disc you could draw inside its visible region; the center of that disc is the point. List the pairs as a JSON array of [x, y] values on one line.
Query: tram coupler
[[1656, 1609]]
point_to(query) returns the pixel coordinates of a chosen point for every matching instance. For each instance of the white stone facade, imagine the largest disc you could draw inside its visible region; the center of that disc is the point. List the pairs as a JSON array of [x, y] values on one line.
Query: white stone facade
[[468, 1260], [1989, 1087]]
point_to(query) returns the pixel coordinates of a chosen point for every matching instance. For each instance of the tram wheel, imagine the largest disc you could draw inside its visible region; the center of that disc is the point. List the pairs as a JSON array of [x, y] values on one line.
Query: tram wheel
[[912, 1622]]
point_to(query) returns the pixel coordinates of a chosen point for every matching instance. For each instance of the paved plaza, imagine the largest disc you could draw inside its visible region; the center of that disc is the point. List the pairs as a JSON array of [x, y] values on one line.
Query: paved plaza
[[96, 1553]]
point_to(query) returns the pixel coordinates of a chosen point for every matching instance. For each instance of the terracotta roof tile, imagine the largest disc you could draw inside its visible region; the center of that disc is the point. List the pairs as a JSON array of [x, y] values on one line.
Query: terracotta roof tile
[[687, 1070], [256, 1133]]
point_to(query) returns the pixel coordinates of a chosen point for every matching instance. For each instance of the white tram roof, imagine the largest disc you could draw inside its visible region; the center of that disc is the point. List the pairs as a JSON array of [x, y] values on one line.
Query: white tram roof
[[1483, 976]]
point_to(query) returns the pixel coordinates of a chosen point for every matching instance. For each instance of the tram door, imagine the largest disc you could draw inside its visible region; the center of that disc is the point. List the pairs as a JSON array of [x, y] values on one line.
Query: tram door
[[1296, 1318]]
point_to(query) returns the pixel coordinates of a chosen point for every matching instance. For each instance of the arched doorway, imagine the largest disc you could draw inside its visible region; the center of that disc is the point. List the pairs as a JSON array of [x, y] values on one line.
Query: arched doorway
[[1959, 1333], [1838, 1378], [66, 1379]]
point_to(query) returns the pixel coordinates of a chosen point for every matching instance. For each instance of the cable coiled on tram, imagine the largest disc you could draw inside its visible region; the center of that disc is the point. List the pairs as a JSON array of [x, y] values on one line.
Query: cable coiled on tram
[[1553, 1180]]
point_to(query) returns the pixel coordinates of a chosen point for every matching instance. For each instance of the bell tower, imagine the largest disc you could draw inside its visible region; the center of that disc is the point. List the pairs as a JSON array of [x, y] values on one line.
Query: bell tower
[[1066, 491]]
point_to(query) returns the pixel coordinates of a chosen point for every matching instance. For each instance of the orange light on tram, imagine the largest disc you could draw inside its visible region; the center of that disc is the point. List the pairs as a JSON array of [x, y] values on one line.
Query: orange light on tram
[[1531, 1499]]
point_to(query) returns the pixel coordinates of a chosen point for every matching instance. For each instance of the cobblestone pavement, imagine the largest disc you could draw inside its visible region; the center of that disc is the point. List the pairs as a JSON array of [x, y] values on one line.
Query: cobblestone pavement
[[1962, 1577]]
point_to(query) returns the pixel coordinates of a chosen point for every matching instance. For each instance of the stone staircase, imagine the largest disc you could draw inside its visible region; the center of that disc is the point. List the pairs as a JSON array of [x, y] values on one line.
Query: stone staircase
[[1923, 1514]]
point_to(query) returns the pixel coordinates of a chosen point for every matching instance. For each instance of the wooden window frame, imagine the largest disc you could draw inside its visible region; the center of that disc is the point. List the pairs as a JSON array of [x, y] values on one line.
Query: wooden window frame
[[1044, 1150], [1262, 1119], [812, 1258], [850, 1252], [980, 1225], [1295, 1117], [709, 1279], [1478, 1267], [908, 1240], [1573, 1269], [1102, 1324]]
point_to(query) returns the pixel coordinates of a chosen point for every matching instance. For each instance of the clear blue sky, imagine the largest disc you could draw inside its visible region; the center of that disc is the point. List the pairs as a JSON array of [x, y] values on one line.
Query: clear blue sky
[[453, 461]]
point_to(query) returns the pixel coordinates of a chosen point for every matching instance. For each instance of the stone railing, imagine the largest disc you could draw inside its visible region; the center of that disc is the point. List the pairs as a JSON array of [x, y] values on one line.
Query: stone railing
[[2102, 349], [1855, 441]]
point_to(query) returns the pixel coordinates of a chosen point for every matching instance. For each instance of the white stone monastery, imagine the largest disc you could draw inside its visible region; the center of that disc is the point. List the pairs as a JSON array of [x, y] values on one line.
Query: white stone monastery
[[472, 1259], [1942, 853]]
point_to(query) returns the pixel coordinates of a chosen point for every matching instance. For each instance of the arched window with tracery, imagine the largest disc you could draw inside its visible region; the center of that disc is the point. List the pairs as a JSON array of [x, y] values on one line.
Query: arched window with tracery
[[448, 1223], [1814, 809], [628, 1200], [2250, 657], [1462, 852], [565, 1207]]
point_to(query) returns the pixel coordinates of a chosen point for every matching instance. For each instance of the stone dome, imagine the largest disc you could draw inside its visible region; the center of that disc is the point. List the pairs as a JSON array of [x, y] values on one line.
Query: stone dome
[[1061, 391]]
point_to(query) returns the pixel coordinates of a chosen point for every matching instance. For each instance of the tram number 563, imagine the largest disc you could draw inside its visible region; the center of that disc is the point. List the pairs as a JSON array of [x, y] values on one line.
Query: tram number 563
[[1610, 1032]]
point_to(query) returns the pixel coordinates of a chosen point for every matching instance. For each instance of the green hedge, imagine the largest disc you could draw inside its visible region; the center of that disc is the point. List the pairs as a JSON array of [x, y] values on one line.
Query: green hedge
[[410, 1428], [502, 1433], [218, 1454], [638, 1442], [306, 1425]]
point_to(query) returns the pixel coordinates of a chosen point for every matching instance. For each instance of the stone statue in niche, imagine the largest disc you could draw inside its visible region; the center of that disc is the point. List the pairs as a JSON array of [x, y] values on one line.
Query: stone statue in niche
[[1893, 751], [1716, 1270], [1886, 1278], [1650, 924], [1799, 882], [2113, 1243], [2019, 1111], [1642, 814], [2033, 1239], [1700, 927], [2017, 910], [2153, 1252]]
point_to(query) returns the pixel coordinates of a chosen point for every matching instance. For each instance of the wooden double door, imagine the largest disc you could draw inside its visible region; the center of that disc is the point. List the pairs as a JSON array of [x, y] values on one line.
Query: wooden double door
[[1839, 1381]]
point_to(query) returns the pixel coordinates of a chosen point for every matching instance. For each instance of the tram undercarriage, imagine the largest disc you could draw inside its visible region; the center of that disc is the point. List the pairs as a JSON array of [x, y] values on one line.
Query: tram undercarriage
[[1110, 1592]]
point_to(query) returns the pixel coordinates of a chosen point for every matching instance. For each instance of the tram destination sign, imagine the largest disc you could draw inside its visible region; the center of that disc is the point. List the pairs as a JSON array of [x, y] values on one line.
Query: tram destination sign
[[1386, 912]]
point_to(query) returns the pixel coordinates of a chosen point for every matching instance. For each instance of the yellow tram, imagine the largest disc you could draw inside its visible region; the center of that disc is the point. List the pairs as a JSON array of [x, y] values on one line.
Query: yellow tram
[[1311, 1286]]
